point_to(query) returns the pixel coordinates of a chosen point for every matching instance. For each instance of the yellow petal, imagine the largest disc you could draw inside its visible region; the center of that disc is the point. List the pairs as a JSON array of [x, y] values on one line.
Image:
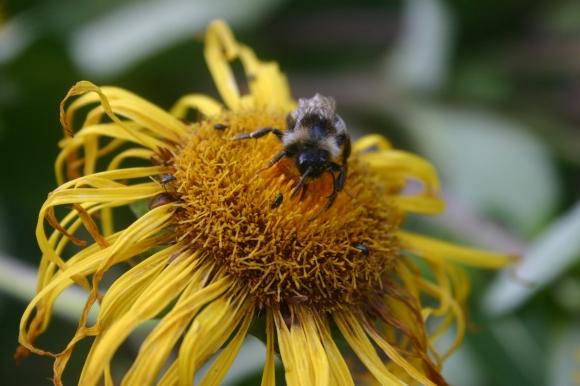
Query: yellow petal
[[125, 291], [219, 368], [269, 373], [221, 47], [158, 345], [210, 329], [160, 292], [371, 142], [339, 371], [362, 346], [202, 103], [115, 101], [305, 360], [108, 195], [268, 86], [393, 354], [84, 263], [420, 204], [404, 164], [456, 315], [436, 249], [170, 377]]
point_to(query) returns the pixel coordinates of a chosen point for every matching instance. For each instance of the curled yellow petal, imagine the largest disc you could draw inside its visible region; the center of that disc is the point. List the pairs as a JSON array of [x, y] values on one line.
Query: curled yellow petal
[[404, 164], [220, 48], [204, 104], [267, 85], [160, 292], [371, 142], [115, 101]]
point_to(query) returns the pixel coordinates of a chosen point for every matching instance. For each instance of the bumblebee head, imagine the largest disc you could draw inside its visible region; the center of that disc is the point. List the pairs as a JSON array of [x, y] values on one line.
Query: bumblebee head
[[312, 159]]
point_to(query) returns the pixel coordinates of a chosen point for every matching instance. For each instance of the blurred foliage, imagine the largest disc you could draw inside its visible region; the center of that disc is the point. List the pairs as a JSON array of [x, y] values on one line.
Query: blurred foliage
[[502, 125]]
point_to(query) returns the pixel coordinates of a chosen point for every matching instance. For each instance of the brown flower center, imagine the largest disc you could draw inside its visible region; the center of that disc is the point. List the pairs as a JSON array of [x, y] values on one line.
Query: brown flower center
[[295, 253]]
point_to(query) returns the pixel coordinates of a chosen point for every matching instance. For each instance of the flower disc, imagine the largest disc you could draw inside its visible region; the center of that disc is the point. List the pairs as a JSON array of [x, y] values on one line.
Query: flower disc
[[297, 252]]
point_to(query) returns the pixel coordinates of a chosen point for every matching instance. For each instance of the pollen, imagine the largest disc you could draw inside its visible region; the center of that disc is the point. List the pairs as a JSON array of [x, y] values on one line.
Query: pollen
[[294, 252]]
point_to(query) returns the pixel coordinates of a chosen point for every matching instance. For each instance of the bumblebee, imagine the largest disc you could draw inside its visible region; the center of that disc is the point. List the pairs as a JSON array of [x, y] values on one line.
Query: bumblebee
[[316, 139]]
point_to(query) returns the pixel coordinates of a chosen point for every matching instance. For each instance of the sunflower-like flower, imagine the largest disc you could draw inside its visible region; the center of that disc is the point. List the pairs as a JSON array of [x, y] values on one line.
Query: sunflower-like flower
[[211, 259]]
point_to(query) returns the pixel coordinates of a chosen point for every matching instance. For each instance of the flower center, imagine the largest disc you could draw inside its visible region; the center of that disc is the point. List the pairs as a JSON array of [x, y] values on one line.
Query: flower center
[[296, 252]]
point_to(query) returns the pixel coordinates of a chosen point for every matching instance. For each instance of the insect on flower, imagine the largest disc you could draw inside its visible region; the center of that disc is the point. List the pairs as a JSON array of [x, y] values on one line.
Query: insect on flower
[[316, 139], [211, 265]]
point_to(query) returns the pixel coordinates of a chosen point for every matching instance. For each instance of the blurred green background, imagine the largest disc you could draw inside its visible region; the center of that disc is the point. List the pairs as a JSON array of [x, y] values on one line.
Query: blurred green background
[[488, 91]]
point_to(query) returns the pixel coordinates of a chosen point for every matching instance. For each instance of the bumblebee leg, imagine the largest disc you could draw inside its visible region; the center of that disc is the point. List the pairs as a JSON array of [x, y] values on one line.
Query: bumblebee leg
[[340, 180], [301, 182], [260, 133], [332, 197], [337, 183], [281, 154]]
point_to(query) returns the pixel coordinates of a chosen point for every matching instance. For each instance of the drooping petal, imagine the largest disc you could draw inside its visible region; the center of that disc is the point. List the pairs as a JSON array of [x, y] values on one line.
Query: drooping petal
[[141, 238], [159, 343], [430, 248], [219, 368], [145, 124], [391, 352], [110, 196], [210, 329], [118, 301], [453, 313], [419, 204], [152, 300], [305, 360], [362, 346], [269, 373], [339, 372]]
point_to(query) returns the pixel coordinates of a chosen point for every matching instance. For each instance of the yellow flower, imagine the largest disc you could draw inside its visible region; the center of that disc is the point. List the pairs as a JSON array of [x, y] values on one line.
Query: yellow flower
[[211, 257]]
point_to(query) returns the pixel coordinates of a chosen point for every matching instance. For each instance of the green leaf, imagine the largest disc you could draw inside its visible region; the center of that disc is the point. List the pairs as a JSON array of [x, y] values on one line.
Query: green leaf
[[139, 208], [19, 281], [550, 255], [420, 61], [563, 358], [135, 31]]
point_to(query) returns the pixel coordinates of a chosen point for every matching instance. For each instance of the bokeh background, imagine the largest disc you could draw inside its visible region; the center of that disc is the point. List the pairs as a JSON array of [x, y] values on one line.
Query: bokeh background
[[489, 91]]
